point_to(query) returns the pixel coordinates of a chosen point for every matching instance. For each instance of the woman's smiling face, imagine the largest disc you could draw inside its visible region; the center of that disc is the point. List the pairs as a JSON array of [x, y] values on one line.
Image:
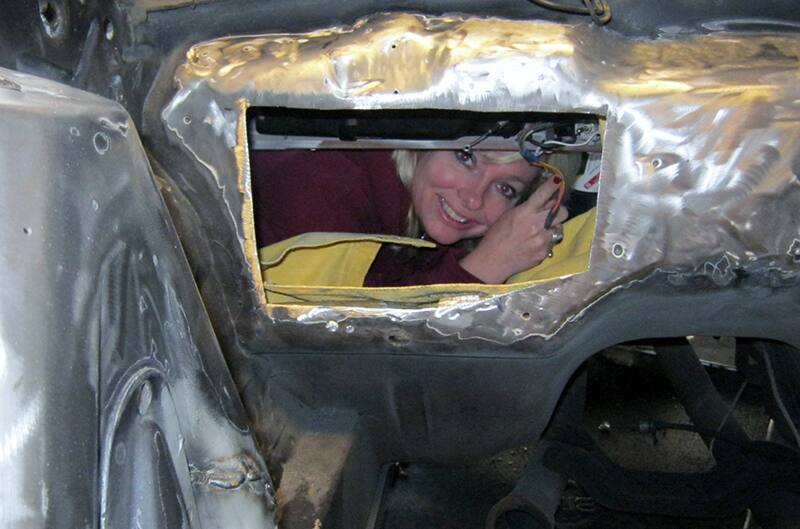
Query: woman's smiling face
[[459, 195]]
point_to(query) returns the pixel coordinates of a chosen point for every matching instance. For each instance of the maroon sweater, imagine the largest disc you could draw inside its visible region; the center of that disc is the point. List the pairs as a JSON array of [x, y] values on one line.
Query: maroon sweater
[[297, 192]]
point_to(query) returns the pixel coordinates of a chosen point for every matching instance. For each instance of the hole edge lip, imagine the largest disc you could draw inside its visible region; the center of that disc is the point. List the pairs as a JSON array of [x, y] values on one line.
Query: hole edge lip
[[109, 31], [101, 142]]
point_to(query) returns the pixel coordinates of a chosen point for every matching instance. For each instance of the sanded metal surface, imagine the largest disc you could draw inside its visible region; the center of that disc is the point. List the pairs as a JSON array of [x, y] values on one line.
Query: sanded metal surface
[[699, 171], [118, 409]]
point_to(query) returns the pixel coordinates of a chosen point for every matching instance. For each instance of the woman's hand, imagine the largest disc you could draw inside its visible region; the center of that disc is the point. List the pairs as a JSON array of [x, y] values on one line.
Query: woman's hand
[[518, 240]]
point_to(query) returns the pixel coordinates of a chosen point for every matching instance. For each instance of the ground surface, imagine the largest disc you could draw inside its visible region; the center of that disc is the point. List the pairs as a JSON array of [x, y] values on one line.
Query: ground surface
[[619, 395]]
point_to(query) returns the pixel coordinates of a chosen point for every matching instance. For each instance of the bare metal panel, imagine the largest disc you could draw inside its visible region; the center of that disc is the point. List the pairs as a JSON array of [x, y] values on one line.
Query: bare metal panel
[[117, 407], [699, 172]]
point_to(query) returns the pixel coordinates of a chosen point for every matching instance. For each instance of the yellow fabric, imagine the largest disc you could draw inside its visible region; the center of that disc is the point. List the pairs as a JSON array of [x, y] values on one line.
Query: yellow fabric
[[570, 256], [330, 268], [325, 259]]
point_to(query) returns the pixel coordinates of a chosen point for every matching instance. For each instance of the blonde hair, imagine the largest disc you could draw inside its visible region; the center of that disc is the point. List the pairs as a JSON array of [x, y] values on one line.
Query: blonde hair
[[406, 164]]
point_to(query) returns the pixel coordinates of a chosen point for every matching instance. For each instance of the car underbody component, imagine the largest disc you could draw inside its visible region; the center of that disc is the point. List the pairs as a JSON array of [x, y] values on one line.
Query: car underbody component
[[534, 500], [693, 387], [536, 496], [709, 412], [757, 472], [762, 476], [276, 128], [775, 366]]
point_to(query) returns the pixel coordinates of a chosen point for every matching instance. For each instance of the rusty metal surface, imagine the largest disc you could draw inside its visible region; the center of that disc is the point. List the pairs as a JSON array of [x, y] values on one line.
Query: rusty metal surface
[[699, 171], [118, 409]]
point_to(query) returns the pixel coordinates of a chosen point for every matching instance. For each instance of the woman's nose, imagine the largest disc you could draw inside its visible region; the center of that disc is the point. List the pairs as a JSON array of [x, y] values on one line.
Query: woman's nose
[[471, 197]]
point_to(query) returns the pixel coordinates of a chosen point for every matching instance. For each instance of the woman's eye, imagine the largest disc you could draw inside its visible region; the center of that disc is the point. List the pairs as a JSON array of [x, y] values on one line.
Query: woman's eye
[[465, 158], [507, 191]]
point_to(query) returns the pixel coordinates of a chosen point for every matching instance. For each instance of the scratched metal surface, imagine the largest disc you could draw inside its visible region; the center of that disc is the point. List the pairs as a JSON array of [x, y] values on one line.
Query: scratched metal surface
[[699, 173], [117, 408]]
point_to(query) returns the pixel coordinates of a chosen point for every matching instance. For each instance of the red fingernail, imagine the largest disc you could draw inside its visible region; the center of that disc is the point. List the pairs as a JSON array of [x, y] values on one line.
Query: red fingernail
[[557, 179]]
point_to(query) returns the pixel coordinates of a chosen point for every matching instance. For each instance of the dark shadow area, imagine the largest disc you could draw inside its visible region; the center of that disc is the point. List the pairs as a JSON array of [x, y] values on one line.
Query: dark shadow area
[[625, 387]]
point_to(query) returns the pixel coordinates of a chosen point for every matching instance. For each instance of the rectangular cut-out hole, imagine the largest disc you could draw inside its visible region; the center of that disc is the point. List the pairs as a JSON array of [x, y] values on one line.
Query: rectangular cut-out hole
[[349, 204]]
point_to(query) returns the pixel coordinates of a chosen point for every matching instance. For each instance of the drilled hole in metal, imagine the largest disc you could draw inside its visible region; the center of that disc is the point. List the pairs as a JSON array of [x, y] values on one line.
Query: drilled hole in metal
[[101, 142], [396, 340], [49, 14], [51, 18]]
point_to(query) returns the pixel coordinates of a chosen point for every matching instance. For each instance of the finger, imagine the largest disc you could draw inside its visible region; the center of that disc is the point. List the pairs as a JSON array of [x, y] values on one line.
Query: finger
[[542, 239], [537, 220], [547, 244], [558, 217], [561, 216]]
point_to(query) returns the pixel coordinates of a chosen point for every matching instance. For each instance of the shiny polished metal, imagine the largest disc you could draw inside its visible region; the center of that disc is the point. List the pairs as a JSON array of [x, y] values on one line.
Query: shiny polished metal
[[699, 172], [116, 406]]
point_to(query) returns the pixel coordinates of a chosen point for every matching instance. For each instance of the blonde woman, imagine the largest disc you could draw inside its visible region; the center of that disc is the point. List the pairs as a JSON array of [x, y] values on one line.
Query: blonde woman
[[447, 197]]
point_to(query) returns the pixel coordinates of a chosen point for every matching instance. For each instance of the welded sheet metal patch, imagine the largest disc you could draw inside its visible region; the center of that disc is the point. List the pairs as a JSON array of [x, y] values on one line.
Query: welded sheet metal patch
[[700, 162], [116, 406]]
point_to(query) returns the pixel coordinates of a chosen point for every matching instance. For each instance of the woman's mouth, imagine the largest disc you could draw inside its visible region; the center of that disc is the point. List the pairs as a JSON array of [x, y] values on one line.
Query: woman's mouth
[[450, 213]]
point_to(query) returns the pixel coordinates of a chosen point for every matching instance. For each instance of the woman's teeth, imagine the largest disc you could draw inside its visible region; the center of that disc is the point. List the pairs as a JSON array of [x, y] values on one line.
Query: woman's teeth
[[451, 213]]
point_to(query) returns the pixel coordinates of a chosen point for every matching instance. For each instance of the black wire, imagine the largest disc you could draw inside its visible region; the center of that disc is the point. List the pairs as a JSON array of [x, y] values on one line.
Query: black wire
[[494, 130], [528, 137], [653, 426], [599, 10]]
